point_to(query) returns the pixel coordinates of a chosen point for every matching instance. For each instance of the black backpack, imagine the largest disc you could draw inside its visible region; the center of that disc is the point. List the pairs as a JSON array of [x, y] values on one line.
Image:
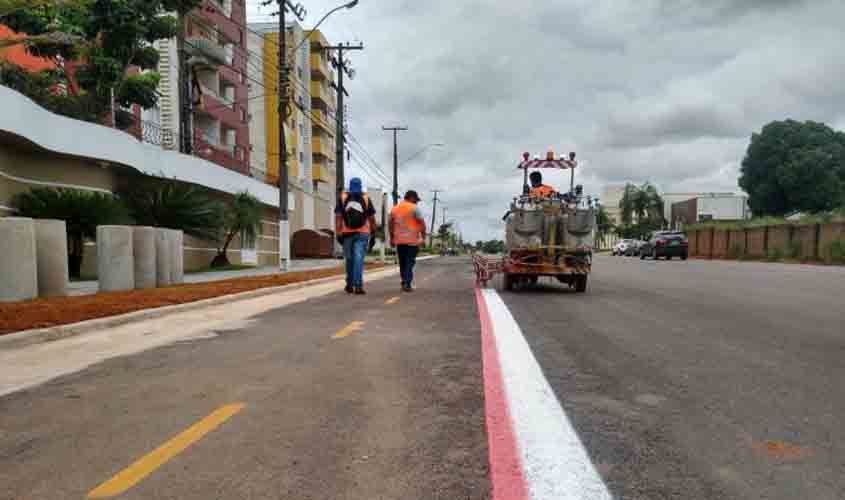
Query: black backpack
[[355, 211]]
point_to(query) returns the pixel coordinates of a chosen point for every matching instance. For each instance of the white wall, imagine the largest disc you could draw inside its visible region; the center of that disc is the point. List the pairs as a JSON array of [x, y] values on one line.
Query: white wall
[[26, 120], [723, 207]]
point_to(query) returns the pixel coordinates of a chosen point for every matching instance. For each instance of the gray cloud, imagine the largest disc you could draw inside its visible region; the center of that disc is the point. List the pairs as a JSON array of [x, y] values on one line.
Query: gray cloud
[[661, 90]]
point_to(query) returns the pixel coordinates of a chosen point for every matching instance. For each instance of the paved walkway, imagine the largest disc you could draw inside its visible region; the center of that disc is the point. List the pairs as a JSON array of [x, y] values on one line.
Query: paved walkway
[[91, 287]]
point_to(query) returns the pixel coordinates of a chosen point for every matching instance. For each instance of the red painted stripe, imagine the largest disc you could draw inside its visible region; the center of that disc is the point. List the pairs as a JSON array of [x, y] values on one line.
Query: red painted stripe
[[505, 467]]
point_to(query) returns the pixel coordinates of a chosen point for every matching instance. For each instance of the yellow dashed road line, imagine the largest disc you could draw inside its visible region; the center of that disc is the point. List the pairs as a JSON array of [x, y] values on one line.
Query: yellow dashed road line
[[348, 330], [136, 472]]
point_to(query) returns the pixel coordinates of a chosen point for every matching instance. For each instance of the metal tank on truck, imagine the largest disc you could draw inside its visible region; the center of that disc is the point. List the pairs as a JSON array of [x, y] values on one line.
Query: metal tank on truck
[[548, 233]]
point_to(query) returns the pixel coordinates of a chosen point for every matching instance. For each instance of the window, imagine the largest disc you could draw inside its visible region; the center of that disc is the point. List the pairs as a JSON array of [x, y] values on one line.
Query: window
[[243, 115], [301, 157]]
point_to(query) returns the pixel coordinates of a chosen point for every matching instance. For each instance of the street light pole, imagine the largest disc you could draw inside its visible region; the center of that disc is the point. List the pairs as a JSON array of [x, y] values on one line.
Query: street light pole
[[283, 95], [283, 88]]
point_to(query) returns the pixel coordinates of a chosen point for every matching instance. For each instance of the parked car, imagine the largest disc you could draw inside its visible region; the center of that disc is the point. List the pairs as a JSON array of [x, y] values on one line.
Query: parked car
[[633, 249], [666, 244], [621, 247]]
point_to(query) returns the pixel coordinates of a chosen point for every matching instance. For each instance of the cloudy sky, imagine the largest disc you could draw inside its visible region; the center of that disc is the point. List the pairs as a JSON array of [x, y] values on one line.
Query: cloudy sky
[[667, 91]]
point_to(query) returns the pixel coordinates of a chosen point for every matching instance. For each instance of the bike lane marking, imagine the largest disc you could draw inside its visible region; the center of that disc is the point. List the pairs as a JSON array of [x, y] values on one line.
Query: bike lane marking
[[553, 461]]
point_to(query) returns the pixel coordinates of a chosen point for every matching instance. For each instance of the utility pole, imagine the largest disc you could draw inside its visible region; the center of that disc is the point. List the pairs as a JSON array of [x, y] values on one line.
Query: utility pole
[[343, 67], [433, 218], [185, 105], [395, 131], [283, 93]]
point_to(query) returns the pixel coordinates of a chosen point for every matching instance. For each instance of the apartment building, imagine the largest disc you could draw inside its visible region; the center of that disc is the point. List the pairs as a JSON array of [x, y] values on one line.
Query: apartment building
[[308, 129]]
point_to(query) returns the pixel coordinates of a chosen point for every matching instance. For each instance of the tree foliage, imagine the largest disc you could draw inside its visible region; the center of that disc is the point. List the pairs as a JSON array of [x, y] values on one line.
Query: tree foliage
[[642, 203], [104, 38], [794, 166], [243, 217], [175, 205], [82, 211]]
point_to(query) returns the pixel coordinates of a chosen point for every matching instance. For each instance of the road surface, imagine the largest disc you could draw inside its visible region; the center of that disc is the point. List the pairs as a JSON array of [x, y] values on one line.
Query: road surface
[[667, 380]]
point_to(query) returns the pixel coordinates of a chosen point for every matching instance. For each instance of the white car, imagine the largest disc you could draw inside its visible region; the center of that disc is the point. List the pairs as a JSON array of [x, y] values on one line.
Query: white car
[[622, 246]]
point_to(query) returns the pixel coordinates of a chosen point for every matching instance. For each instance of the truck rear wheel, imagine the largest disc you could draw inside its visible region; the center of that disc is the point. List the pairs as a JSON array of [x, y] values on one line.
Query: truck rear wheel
[[508, 281], [581, 283]]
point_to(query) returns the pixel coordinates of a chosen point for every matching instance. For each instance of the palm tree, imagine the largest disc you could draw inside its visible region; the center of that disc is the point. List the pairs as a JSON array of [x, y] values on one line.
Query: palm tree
[[175, 205], [242, 217], [628, 204], [82, 211]]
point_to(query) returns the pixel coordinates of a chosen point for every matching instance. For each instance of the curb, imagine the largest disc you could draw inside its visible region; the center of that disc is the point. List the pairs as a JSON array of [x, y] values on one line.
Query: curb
[[25, 338]]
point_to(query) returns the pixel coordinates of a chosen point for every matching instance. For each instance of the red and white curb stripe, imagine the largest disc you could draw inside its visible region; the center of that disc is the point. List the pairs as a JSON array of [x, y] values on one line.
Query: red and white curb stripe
[[535, 453]]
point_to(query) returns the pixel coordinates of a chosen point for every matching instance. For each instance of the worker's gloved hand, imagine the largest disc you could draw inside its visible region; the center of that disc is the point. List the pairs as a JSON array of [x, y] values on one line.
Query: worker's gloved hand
[[340, 238]]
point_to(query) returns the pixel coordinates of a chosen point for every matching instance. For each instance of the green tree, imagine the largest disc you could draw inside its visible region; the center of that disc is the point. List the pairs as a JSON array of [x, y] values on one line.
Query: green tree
[[604, 225], [82, 211], [104, 38], [794, 166], [174, 205], [243, 216], [644, 204]]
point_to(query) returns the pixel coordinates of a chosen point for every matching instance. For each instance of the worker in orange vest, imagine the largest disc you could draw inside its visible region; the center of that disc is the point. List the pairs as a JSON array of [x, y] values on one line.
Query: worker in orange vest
[[407, 232], [538, 189], [355, 222]]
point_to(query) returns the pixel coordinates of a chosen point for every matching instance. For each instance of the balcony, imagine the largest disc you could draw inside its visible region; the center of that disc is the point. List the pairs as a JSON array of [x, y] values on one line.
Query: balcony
[[322, 172], [320, 146], [325, 94], [319, 68], [205, 53], [322, 120]]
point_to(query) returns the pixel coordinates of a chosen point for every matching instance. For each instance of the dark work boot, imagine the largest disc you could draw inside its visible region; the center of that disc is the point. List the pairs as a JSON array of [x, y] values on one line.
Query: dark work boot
[[360, 291]]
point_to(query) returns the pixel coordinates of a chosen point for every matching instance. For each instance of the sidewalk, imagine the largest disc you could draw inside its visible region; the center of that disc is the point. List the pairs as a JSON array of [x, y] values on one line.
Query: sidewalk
[[91, 287]]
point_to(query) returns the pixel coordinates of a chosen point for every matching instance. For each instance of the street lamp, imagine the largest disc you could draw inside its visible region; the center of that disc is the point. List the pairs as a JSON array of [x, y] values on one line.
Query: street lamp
[[283, 86]]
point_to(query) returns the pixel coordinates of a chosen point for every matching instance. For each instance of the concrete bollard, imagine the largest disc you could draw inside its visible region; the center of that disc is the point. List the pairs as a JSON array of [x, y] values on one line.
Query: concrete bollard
[[115, 266], [177, 256], [144, 257], [163, 258], [18, 260], [51, 249]]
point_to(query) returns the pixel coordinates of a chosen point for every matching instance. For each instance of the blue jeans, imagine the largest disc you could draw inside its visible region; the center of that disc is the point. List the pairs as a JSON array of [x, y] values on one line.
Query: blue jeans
[[407, 260], [354, 251]]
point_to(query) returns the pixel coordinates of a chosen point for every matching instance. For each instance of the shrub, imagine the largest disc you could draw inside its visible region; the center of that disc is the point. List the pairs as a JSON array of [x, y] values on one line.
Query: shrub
[[793, 251], [837, 251], [735, 252], [775, 254], [82, 211]]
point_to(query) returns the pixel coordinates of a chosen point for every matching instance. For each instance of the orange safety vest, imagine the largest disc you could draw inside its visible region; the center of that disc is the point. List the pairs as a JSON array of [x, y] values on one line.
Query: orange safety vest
[[407, 228], [542, 191], [363, 229]]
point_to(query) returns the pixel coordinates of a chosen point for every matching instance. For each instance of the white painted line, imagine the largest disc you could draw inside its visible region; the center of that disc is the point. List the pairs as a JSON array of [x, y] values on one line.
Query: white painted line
[[555, 463]]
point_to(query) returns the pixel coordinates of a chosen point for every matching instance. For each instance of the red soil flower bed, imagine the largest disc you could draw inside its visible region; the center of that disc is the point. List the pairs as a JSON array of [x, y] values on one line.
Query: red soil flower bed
[[44, 313]]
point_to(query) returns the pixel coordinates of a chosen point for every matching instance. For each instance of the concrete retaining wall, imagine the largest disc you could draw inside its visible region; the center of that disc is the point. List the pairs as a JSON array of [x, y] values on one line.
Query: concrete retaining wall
[[51, 251], [115, 263], [779, 240], [827, 235], [736, 246], [720, 244], [18, 260], [144, 256]]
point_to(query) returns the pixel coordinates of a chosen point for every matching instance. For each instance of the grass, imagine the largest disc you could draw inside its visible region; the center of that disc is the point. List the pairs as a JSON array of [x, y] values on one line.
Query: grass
[[810, 219]]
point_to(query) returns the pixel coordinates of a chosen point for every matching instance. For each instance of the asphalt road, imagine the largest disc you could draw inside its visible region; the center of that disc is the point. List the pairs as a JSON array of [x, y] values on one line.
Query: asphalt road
[[698, 379], [391, 409], [683, 380]]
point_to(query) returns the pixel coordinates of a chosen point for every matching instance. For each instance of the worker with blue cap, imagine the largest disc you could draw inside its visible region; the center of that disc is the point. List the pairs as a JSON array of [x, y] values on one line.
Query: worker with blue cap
[[355, 220]]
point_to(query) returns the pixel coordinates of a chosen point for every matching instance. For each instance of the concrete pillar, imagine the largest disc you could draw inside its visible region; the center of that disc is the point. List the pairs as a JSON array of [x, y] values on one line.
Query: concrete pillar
[[18, 261], [51, 249], [163, 259], [144, 255], [115, 265], [177, 255]]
